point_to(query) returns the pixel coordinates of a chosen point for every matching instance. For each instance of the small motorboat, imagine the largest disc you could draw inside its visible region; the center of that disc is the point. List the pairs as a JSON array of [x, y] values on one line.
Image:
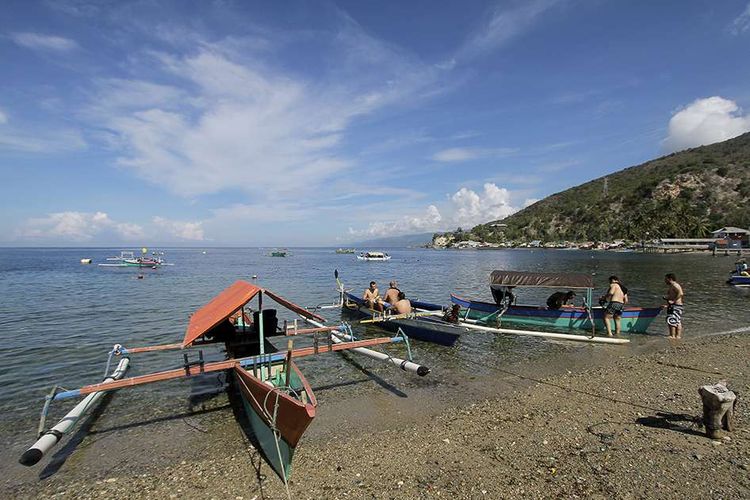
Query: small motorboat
[[378, 256]]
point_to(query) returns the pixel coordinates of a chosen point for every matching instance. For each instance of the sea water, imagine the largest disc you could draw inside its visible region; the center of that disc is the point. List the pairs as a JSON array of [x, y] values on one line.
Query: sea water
[[59, 318]]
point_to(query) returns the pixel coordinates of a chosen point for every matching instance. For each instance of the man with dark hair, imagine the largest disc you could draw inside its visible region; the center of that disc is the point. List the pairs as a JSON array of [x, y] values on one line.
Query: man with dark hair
[[402, 305], [674, 305], [615, 303], [560, 299], [372, 297]]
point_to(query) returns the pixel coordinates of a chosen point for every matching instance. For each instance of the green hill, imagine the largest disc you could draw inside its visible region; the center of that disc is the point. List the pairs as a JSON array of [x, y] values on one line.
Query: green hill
[[682, 195]]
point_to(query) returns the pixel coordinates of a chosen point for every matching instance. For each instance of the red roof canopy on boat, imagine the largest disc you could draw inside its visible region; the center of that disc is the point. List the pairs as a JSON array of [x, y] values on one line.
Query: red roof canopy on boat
[[546, 280], [230, 301]]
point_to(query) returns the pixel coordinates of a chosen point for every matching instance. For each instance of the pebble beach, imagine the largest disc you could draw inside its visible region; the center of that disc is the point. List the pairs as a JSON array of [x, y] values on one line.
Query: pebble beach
[[627, 426]]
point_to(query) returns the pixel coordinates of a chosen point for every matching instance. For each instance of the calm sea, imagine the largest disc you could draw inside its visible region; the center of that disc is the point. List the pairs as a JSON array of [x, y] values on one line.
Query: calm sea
[[59, 318]]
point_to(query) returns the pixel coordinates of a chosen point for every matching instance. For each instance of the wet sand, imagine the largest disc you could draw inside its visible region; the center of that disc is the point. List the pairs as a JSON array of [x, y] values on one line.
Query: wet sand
[[624, 424]]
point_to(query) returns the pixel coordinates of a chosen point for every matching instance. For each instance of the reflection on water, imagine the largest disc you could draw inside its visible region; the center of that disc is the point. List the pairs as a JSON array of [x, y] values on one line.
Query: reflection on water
[[59, 318]]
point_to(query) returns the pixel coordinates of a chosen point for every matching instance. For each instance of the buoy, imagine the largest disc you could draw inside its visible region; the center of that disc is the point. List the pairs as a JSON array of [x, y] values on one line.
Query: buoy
[[255, 276], [85, 261]]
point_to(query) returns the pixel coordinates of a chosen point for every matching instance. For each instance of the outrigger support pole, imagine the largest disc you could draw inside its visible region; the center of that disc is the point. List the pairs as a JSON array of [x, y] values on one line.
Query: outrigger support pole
[[217, 366], [343, 338]]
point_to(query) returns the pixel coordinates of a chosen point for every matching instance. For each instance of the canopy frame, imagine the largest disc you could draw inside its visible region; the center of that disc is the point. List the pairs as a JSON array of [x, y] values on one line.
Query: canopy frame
[[541, 280]]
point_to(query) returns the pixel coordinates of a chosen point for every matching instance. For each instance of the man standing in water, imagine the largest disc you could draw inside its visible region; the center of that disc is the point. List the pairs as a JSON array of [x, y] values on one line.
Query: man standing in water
[[615, 298], [674, 305]]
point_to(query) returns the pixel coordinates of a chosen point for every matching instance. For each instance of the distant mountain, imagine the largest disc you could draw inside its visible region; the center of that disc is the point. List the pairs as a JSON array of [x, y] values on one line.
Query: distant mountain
[[681, 195], [407, 240]]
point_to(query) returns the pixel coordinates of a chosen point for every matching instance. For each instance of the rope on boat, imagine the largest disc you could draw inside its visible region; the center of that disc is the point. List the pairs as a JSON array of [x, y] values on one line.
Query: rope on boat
[[271, 419]]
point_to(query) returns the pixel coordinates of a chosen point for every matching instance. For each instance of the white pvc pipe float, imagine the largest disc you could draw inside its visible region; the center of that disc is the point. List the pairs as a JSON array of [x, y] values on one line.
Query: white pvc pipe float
[[404, 364], [55, 434], [547, 335]]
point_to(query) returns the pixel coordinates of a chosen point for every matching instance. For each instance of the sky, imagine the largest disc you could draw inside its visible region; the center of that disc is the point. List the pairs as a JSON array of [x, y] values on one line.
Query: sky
[[210, 123]]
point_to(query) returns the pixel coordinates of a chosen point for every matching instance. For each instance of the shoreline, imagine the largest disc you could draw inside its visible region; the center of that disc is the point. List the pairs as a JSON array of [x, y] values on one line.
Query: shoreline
[[621, 425]]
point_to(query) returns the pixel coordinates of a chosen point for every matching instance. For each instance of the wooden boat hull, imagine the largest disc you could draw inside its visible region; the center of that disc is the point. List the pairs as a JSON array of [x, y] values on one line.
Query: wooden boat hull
[[426, 328], [278, 416], [634, 319], [738, 280]]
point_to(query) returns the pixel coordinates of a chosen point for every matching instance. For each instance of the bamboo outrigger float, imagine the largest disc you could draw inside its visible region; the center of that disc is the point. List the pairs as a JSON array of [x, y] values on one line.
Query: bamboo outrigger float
[[276, 396]]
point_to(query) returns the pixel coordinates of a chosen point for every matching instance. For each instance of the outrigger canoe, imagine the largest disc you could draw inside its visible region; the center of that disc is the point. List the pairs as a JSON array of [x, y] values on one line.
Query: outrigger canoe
[[634, 319], [425, 324], [277, 398]]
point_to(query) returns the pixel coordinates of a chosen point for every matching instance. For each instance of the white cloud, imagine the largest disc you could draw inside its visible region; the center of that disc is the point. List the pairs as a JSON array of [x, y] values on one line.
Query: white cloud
[[705, 121], [424, 222], [504, 25], [77, 226], [87, 226], [466, 209], [741, 24], [466, 154], [42, 141], [471, 208], [37, 41], [529, 201], [235, 123], [184, 230]]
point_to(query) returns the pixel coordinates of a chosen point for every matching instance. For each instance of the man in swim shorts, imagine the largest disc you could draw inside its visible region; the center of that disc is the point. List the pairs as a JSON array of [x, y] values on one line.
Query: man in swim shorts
[[615, 299], [675, 306], [372, 297]]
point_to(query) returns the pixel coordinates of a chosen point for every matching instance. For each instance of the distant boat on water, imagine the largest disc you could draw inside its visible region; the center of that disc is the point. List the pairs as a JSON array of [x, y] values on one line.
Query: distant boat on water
[[379, 256], [279, 253], [346, 250], [128, 259]]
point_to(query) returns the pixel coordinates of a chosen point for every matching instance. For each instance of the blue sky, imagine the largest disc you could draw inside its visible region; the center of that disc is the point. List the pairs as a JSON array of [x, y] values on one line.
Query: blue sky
[[317, 123]]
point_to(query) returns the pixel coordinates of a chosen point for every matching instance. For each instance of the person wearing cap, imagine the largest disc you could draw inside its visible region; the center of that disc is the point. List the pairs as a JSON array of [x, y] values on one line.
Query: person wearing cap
[[391, 295]]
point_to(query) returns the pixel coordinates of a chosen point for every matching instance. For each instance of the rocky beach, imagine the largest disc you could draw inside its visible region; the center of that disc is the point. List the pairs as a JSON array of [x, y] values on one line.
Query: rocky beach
[[622, 426]]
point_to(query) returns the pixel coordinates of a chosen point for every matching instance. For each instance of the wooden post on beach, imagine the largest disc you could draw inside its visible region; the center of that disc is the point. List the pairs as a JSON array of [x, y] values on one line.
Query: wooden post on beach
[[718, 409]]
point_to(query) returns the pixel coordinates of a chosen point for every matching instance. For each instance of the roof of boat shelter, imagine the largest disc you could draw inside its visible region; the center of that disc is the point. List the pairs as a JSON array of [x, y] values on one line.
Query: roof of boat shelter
[[230, 301], [541, 280]]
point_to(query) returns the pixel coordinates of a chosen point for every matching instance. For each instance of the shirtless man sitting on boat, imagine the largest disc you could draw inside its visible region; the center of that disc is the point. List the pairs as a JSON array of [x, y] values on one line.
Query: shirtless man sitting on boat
[[391, 295], [402, 305], [372, 297], [615, 299]]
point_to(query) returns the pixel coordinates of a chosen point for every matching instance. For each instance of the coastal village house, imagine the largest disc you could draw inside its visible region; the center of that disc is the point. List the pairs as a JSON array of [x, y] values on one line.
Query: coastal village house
[[731, 237], [726, 238]]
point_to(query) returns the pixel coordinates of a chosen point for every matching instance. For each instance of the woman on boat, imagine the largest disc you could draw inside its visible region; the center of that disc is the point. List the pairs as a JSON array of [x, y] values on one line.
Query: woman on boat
[[402, 305]]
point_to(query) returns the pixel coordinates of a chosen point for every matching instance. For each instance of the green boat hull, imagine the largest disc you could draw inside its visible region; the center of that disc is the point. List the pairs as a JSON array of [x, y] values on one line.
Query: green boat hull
[[280, 459], [633, 320], [628, 325]]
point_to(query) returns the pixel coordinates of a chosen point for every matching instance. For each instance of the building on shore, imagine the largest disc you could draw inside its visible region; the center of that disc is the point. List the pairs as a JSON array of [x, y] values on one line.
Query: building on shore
[[731, 238]]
